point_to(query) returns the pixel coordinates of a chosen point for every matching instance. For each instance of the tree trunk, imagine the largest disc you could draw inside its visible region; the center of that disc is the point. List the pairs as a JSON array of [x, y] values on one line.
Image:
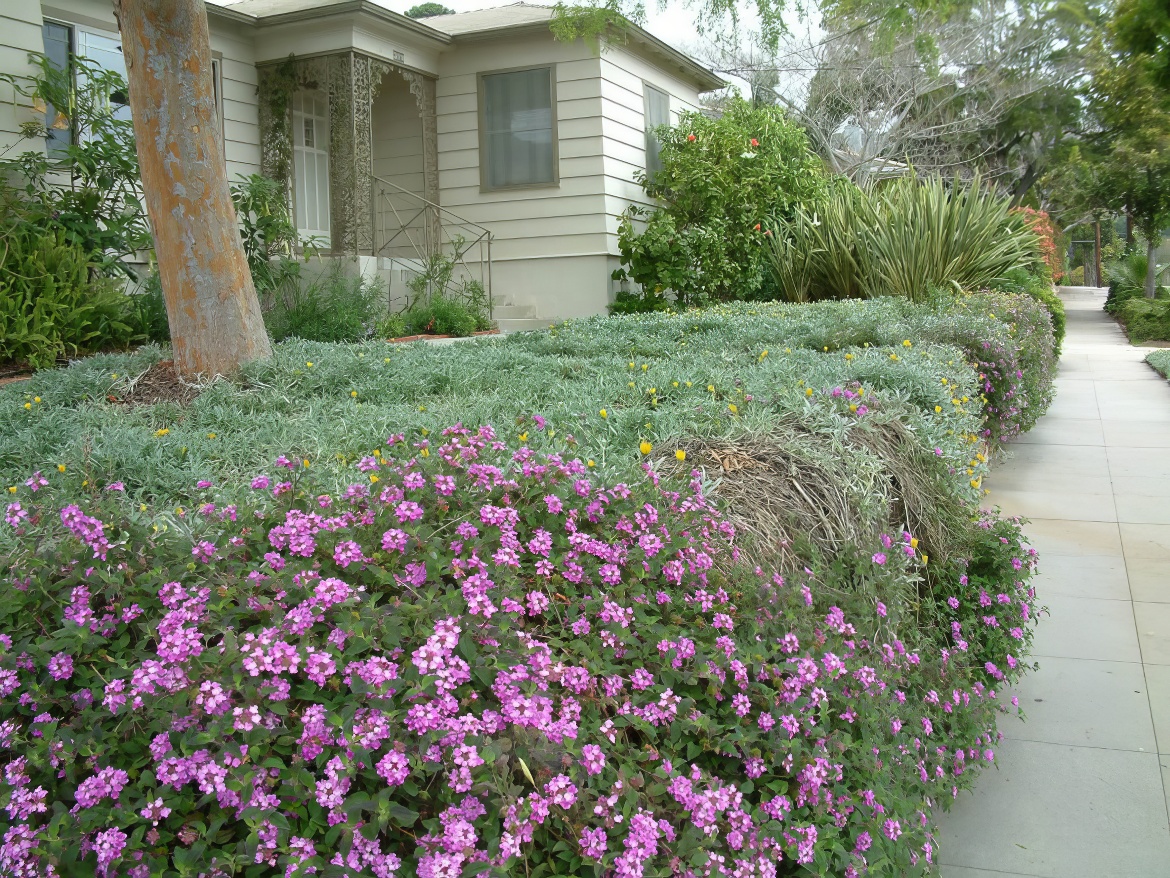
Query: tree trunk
[[212, 307], [1128, 229], [1151, 267]]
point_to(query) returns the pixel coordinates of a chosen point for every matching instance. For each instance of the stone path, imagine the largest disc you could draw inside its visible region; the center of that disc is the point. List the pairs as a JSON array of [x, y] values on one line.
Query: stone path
[[1081, 787]]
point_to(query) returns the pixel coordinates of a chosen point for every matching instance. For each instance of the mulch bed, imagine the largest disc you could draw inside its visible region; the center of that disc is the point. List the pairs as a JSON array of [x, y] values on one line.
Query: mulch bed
[[427, 337], [159, 383]]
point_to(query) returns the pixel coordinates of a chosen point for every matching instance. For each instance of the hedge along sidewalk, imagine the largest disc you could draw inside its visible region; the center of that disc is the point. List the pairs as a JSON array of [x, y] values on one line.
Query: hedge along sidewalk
[[1082, 786]]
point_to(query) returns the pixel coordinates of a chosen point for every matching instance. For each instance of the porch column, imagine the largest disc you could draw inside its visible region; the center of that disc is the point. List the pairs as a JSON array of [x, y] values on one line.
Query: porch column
[[353, 84]]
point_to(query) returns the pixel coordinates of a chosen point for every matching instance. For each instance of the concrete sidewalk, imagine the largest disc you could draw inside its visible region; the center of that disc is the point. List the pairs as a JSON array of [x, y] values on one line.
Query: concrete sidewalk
[[1081, 786]]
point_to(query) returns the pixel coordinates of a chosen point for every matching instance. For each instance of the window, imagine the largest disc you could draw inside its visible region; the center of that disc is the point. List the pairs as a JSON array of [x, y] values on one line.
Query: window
[[657, 110], [217, 94], [63, 43], [518, 135], [310, 116], [58, 40]]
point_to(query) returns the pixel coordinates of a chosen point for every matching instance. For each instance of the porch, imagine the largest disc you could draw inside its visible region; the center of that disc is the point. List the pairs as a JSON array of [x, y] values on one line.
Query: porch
[[354, 139]]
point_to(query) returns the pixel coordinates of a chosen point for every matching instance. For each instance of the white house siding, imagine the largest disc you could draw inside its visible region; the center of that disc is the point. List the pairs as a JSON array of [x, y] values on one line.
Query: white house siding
[[233, 44], [549, 246], [624, 74], [20, 33]]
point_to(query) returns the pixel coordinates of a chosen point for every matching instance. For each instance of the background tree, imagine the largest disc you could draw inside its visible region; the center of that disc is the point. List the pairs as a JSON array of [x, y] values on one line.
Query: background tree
[[428, 10], [211, 301], [988, 90]]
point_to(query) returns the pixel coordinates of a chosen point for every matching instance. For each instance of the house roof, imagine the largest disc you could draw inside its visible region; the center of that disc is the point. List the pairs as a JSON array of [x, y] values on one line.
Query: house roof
[[495, 18], [484, 24], [481, 24]]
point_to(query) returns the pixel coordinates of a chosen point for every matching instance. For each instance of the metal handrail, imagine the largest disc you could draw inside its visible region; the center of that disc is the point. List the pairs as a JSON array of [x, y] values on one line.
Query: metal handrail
[[436, 233]]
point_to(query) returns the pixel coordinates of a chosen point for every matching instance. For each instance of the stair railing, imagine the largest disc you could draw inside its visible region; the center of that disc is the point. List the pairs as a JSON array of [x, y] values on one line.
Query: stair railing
[[407, 223]]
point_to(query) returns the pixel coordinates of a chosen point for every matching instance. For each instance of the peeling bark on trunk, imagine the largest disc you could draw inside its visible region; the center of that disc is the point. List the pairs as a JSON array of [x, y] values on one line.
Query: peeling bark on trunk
[[212, 307]]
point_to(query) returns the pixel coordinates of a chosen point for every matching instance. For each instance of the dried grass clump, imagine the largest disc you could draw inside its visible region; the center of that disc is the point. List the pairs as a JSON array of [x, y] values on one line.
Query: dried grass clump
[[793, 494]]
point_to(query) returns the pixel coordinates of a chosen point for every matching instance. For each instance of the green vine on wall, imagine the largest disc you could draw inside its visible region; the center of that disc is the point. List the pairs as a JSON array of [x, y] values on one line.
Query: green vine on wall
[[275, 89]]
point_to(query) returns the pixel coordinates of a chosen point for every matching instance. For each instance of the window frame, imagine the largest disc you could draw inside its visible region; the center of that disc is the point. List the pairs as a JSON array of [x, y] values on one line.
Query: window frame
[[647, 88], [481, 117]]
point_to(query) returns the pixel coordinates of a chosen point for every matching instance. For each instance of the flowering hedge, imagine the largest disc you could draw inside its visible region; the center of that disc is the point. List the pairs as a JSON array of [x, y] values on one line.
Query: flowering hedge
[[475, 659]]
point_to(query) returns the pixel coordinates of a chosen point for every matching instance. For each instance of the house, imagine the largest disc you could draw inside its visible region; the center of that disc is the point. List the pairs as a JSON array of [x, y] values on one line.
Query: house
[[477, 134]]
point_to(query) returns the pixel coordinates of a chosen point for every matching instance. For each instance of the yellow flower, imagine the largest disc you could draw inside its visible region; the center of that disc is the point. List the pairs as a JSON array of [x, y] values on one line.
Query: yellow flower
[[422, 408], [906, 344], [645, 366], [645, 447], [954, 401], [893, 356], [36, 399], [731, 407], [808, 392], [788, 350], [861, 391], [913, 542], [28, 405], [426, 452], [629, 383], [386, 360], [652, 390], [849, 356], [141, 507], [825, 348], [210, 435], [305, 463], [604, 413], [524, 436], [115, 375], [373, 478], [425, 431], [938, 408], [925, 558], [377, 452], [309, 364], [60, 467], [943, 380], [161, 432], [12, 489], [853, 407], [680, 455], [974, 483], [763, 354], [590, 463], [353, 393], [674, 384], [689, 384], [632, 364]]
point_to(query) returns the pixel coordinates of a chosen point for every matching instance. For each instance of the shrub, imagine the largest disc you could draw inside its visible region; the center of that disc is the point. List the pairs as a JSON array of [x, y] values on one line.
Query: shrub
[[1127, 280], [1160, 361], [52, 304], [1039, 287], [1146, 319], [88, 190], [644, 301], [1047, 234], [720, 181], [1076, 277], [904, 239], [149, 311], [441, 316], [268, 235], [333, 307], [475, 657]]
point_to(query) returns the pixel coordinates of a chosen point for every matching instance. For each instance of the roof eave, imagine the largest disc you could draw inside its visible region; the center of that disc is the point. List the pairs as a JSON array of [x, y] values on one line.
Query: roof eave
[[706, 79], [348, 8]]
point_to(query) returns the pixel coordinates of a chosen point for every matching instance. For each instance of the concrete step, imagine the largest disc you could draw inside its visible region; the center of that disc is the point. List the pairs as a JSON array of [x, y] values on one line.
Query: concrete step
[[513, 312], [530, 324]]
